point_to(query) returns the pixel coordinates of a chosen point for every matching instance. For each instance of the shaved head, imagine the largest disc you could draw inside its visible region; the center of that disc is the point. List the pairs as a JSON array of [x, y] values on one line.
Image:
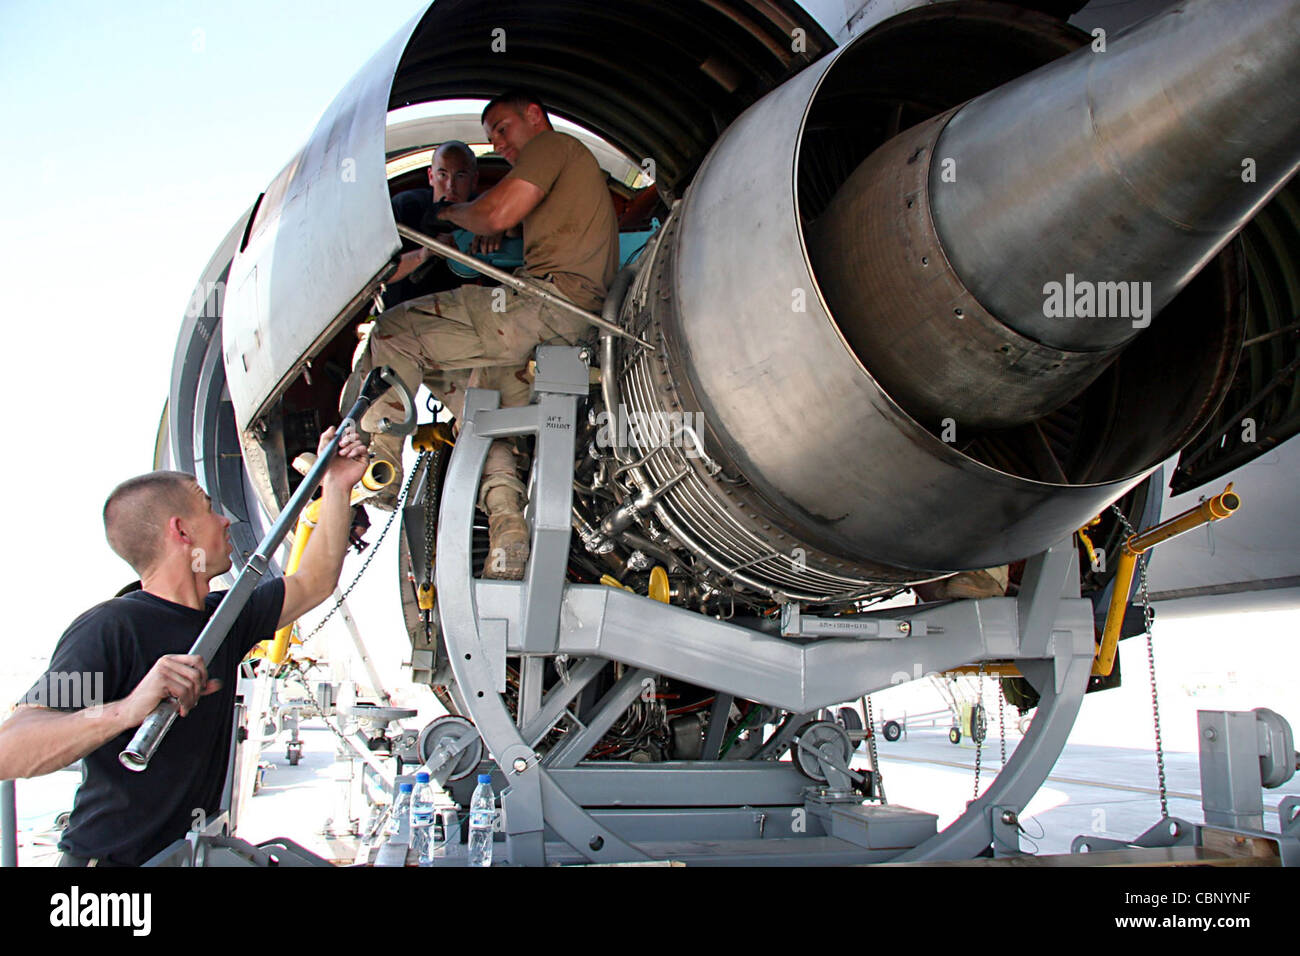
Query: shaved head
[[137, 513], [455, 146], [453, 172]]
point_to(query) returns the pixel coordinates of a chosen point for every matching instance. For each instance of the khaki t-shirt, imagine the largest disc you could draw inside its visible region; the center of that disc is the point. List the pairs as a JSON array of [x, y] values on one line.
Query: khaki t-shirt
[[572, 234]]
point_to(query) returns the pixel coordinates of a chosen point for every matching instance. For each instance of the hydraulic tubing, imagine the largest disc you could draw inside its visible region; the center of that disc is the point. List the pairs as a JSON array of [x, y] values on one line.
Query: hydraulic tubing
[[609, 372]]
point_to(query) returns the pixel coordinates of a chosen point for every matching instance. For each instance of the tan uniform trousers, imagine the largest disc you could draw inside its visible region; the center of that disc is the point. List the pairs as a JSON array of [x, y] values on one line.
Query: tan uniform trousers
[[470, 337]]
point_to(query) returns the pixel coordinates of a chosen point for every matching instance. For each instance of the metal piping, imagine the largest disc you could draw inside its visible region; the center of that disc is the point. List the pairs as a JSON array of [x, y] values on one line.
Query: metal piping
[[1215, 509], [8, 824], [515, 282], [799, 589], [748, 340], [609, 355], [1123, 165], [378, 476]]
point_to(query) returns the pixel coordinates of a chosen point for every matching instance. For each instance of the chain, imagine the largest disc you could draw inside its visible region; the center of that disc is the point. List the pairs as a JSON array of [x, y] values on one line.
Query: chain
[[430, 519], [974, 729], [1002, 723], [1148, 616], [374, 549], [871, 747]]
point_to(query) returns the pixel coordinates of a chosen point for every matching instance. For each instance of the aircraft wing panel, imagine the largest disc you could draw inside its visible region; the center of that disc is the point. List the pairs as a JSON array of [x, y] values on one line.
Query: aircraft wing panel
[[1247, 559]]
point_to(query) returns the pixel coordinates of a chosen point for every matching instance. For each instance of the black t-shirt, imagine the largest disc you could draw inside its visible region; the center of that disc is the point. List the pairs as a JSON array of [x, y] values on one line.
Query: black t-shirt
[[414, 208], [119, 815]]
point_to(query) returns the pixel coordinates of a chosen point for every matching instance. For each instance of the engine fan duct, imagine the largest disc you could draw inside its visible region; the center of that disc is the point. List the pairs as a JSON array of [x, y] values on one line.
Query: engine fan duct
[[829, 487]]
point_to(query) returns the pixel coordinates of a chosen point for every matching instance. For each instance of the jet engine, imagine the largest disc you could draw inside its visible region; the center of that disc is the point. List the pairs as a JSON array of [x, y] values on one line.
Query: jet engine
[[924, 303], [863, 375]]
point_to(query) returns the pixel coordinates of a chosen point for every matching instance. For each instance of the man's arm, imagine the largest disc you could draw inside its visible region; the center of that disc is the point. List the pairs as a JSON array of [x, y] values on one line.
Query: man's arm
[[39, 740], [502, 207], [322, 562], [409, 262]]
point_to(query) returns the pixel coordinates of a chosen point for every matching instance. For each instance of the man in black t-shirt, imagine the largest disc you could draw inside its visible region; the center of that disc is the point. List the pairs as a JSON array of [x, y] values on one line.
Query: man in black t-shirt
[[118, 660]]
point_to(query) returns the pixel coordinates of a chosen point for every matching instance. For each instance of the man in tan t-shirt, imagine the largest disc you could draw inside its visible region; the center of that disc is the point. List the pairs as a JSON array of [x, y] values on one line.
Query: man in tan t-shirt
[[557, 191]]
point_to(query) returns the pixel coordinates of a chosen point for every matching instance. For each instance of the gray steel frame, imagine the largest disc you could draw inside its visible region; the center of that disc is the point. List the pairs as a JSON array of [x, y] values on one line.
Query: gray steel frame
[[1232, 745], [1048, 630], [8, 824], [208, 849]]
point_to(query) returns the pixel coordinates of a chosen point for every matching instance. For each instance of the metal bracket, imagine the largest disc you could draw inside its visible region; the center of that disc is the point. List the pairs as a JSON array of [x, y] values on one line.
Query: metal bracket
[[1288, 817], [794, 623], [1171, 831], [533, 798], [543, 616], [1005, 824], [408, 422], [199, 849]]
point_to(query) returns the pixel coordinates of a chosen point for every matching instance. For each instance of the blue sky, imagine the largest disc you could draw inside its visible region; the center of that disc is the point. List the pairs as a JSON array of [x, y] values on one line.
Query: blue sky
[[131, 136]]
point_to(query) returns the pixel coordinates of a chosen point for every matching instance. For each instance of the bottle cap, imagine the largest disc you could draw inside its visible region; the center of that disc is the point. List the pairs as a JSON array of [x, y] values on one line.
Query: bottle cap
[[405, 788], [485, 778], [421, 777]]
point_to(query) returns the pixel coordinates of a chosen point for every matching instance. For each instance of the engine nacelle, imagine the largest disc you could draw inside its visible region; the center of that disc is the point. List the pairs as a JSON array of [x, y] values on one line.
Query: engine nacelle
[[875, 422]]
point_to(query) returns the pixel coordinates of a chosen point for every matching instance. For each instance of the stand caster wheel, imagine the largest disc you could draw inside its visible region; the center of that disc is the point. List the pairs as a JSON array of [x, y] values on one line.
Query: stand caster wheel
[[954, 736], [818, 735], [892, 730]]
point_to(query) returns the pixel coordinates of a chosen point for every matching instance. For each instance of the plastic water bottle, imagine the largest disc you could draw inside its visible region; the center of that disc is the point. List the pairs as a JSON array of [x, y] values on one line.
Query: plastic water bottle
[[446, 832], [399, 820], [422, 819], [438, 845], [482, 810]]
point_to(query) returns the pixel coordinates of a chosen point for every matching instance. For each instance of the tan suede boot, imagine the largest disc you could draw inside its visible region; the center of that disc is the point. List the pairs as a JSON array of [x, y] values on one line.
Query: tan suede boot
[[508, 536]]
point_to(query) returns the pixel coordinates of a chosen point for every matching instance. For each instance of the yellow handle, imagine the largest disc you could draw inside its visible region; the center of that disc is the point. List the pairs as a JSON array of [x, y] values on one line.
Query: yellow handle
[[1214, 509], [428, 437]]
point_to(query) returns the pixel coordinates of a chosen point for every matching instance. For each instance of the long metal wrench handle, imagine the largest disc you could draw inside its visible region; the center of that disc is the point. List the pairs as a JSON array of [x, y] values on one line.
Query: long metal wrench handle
[[515, 282], [150, 734]]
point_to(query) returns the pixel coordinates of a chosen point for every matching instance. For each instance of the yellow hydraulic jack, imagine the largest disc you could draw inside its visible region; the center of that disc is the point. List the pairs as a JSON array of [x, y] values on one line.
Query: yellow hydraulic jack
[[1214, 509], [378, 476], [428, 438]]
